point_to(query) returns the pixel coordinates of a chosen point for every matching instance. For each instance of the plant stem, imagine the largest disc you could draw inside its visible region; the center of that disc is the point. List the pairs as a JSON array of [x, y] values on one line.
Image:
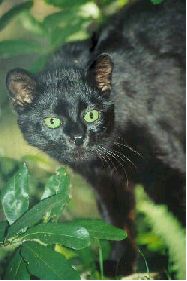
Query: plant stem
[[101, 260]]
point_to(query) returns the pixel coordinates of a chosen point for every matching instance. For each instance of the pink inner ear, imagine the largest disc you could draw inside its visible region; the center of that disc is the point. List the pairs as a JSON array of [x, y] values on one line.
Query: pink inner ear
[[22, 88], [103, 73], [24, 94]]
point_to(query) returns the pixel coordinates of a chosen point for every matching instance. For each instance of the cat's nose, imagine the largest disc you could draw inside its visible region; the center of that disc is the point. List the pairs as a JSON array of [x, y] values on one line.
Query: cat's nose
[[78, 140]]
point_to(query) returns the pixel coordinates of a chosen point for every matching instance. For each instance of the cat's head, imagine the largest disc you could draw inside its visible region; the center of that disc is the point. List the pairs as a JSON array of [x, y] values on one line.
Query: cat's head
[[66, 112]]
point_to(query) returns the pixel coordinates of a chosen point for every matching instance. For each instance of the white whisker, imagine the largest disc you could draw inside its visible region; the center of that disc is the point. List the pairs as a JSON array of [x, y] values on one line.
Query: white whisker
[[129, 147], [117, 157], [126, 158], [109, 161]]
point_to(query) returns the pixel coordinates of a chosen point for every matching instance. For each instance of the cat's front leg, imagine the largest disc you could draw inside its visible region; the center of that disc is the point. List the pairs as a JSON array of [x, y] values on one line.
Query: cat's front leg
[[116, 204]]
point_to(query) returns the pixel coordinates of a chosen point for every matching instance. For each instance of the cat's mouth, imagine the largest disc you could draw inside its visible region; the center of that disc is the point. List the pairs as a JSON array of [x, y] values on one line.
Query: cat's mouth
[[80, 154]]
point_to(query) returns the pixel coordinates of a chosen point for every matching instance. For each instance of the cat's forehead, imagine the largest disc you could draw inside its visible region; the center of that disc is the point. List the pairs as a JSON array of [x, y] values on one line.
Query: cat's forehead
[[68, 87], [64, 97], [61, 76]]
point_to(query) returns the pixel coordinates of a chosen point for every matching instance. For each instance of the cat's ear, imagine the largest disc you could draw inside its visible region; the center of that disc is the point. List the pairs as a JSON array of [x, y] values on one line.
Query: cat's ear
[[22, 87], [100, 72]]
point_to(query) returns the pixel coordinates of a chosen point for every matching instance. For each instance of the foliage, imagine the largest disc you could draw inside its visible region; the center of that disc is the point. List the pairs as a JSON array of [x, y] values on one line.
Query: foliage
[[7, 17], [15, 198], [73, 20], [34, 231], [168, 228], [157, 2], [39, 231]]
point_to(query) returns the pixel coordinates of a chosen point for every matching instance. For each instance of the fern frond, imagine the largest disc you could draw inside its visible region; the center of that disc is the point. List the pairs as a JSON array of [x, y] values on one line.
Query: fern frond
[[165, 225]]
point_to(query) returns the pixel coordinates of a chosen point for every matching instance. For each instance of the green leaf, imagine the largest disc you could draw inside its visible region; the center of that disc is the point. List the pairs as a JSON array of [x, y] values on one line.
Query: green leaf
[[66, 3], [15, 197], [157, 2], [11, 48], [32, 24], [87, 258], [61, 25], [47, 264], [167, 227], [38, 65], [60, 35], [152, 241], [56, 184], [64, 19], [3, 226], [16, 269], [66, 252], [67, 234], [55, 19], [7, 166], [101, 230], [44, 208], [6, 18]]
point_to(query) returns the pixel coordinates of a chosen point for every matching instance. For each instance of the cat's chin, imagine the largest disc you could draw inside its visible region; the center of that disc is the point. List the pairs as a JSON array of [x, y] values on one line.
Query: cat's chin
[[78, 158]]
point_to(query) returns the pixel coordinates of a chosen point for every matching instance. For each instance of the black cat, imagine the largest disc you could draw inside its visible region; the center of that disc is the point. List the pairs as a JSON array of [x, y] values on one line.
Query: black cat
[[106, 105]]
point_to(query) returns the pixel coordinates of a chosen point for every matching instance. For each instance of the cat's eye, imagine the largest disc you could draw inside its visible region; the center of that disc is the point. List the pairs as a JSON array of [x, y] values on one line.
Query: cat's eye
[[91, 116], [52, 122]]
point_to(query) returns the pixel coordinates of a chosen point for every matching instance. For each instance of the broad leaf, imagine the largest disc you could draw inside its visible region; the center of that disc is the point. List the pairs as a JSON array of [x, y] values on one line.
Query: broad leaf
[[16, 269], [15, 197], [60, 35], [30, 23], [67, 234], [87, 258], [47, 264], [17, 9], [56, 184], [3, 226], [66, 3], [55, 19], [11, 48], [64, 19], [101, 230], [46, 207]]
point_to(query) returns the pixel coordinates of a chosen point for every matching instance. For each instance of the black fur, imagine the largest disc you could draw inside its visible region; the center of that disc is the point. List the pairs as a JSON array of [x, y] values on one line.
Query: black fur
[[138, 86]]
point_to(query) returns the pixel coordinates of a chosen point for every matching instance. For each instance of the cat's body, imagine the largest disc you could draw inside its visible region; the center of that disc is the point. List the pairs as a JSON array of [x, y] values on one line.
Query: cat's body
[[136, 90]]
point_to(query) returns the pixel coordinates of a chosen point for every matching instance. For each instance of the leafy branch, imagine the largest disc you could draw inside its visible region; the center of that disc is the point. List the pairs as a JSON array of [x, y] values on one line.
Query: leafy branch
[[33, 232]]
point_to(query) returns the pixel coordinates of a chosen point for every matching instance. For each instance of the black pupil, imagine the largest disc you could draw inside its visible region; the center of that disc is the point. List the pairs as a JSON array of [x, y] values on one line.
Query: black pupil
[[52, 121], [91, 115]]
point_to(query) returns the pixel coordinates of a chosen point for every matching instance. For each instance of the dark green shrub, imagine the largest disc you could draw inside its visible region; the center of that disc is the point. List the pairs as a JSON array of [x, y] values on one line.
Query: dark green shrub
[[31, 233]]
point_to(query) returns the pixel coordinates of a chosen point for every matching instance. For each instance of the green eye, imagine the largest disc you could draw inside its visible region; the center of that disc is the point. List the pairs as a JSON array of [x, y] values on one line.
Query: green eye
[[91, 116], [52, 122]]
